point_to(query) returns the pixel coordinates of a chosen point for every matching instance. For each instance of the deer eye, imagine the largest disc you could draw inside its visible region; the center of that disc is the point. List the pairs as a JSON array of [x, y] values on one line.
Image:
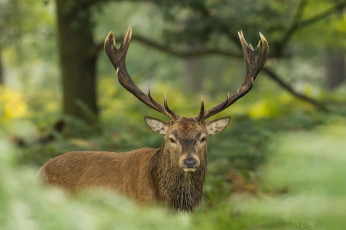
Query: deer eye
[[203, 140], [172, 140]]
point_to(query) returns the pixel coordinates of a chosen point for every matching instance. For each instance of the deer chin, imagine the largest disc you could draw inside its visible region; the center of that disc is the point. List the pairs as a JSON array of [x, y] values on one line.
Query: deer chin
[[189, 170]]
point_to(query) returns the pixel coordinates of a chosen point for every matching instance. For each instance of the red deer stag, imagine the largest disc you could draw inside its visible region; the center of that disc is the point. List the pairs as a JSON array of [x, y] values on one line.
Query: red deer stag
[[173, 174]]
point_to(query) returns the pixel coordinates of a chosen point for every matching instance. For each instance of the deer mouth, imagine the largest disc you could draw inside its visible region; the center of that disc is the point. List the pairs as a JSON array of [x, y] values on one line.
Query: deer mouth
[[189, 170]]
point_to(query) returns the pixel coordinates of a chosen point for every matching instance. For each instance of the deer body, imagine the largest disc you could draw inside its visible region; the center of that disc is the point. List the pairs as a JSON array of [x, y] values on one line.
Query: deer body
[[126, 173], [146, 175], [173, 174], [135, 174]]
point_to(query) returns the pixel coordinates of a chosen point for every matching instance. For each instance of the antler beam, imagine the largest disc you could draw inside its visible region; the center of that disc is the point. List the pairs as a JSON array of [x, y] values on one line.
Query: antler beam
[[253, 65], [118, 59]]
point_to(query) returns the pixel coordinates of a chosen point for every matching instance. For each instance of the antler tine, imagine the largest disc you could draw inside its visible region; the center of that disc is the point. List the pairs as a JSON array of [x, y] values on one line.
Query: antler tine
[[253, 65], [168, 109], [118, 59], [198, 118]]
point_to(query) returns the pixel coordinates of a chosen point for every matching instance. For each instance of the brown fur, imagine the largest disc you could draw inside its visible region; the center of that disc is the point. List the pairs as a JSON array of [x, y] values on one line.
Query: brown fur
[[146, 175], [126, 173]]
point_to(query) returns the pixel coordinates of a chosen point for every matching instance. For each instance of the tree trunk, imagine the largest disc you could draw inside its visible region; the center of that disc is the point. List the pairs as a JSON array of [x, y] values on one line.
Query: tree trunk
[[194, 71], [335, 67], [193, 75], [77, 64]]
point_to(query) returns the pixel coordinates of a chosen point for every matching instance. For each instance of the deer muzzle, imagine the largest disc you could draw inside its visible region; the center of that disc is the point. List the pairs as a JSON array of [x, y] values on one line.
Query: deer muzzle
[[190, 164]]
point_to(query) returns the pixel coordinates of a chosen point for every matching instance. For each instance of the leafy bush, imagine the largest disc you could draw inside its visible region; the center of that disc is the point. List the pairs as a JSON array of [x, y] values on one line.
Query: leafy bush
[[304, 180], [299, 187]]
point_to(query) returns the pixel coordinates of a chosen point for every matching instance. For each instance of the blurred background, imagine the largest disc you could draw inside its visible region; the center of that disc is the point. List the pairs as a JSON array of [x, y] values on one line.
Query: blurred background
[[280, 164]]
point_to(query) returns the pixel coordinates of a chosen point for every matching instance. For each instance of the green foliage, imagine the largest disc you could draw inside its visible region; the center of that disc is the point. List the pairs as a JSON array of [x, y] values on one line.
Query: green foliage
[[304, 179], [301, 189], [334, 25], [12, 104]]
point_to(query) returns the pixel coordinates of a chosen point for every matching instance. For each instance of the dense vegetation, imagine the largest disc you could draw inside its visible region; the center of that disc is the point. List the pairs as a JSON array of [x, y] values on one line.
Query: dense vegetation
[[279, 164], [295, 182]]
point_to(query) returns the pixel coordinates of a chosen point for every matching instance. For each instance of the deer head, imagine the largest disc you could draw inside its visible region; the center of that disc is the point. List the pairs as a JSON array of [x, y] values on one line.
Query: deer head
[[186, 138]]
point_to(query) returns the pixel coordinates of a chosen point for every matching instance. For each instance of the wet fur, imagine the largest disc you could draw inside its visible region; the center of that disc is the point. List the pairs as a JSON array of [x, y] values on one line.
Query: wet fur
[[177, 189]]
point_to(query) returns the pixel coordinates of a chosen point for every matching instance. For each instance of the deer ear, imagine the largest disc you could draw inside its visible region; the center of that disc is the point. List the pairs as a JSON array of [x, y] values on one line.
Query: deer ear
[[156, 125], [216, 126]]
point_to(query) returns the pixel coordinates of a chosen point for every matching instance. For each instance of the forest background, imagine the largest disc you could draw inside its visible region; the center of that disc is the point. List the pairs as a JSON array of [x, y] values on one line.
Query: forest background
[[279, 164]]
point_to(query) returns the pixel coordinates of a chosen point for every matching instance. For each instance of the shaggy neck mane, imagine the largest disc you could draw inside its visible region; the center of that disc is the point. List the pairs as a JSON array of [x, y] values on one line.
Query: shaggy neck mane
[[174, 187]]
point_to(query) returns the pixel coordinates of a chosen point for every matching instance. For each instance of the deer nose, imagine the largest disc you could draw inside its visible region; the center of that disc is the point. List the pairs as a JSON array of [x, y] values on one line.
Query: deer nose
[[190, 163]]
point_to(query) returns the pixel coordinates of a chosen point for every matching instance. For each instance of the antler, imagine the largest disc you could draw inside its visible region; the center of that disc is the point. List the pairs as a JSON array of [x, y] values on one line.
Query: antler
[[118, 59], [253, 65]]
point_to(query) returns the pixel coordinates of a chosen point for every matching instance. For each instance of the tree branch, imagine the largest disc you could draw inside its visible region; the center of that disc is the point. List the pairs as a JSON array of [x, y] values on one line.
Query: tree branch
[[166, 49], [322, 15], [270, 73], [298, 24], [291, 30], [181, 53]]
